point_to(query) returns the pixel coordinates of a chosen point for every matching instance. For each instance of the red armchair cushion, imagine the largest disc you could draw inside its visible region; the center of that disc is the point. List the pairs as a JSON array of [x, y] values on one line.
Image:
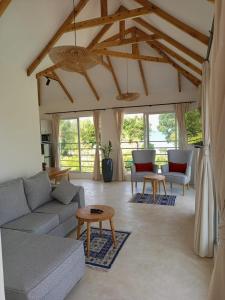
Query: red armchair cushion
[[175, 167], [144, 167]]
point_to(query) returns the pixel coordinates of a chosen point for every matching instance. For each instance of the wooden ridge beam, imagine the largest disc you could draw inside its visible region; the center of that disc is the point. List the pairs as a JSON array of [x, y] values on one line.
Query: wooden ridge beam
[[136, 50], [132, 40], [3, 5], [114, 75], [119, 16], [55, 37], [63, 87], [130, 55], [104, 7], [185, 73], [173, 54], [91, 85], [174, 21], [170, 40]]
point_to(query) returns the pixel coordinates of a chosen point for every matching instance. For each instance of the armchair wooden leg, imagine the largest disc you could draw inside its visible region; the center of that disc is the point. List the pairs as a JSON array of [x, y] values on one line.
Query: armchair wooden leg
[[183, 188], [132, 187], [171, 187]]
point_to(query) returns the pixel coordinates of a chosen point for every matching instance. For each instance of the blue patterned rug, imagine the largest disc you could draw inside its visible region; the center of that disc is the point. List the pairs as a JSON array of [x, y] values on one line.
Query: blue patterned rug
[[160, 199], [102, 251]]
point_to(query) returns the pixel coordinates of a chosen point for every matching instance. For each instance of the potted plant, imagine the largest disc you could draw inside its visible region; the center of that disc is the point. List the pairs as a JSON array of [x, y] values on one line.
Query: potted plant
[[107, 163]]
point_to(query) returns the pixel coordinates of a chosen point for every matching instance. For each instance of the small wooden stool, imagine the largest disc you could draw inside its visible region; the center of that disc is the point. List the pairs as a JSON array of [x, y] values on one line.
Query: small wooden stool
[[155, 180]]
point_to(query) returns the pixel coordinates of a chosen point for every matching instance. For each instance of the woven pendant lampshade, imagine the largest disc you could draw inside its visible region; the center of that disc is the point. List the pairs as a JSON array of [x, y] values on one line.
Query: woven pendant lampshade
[[74, 58], [128, 96]]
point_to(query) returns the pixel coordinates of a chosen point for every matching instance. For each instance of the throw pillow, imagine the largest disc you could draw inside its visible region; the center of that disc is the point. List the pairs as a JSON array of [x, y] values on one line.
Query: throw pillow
[[175, 167], [38, 190], [144, 167], [65, 192]]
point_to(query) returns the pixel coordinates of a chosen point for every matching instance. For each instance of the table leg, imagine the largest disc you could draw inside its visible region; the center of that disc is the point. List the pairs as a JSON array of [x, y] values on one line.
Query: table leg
[[79, 228], [143, 190], [100, 227], [88, 239], [113, 232], [164, 186]]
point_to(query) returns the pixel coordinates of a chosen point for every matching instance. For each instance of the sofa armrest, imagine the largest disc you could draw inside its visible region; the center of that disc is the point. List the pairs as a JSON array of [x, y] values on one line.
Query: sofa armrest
[[165, 168], [79, 197]]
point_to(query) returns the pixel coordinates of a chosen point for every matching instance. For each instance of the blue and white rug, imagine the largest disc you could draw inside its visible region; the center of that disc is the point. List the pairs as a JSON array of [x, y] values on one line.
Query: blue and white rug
[[160, 199], [102, 250]]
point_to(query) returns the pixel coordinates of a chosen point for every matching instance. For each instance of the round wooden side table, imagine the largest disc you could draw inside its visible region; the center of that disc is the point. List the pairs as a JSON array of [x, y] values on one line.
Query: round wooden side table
[[84, 215], [155, 180]]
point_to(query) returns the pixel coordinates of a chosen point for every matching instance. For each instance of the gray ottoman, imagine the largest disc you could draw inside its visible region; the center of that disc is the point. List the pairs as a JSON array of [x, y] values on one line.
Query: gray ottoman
[[40, 266]]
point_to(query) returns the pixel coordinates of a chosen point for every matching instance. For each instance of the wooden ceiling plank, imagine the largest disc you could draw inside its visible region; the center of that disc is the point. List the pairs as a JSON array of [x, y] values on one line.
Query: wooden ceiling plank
[[136, 50], [114, 75], [3, 5], [104, 7], [170, 40], [174, 21], [130, 56], [173, 54], [55, 37], [91, 85], [119, 16], [63, 87], [185, 73]]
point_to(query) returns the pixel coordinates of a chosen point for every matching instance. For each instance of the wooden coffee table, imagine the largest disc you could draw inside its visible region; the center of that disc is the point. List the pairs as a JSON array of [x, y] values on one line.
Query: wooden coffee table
[[84, 215], [155, 180]]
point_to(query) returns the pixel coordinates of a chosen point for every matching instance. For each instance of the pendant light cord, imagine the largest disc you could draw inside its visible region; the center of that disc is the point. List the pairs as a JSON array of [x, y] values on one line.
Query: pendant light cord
[[74, 17]]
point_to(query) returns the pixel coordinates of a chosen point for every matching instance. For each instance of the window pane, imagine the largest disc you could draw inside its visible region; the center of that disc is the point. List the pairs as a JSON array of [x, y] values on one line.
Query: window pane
[[68, 147], [194, 126], [162, 135], [87, 144], [132, 136]]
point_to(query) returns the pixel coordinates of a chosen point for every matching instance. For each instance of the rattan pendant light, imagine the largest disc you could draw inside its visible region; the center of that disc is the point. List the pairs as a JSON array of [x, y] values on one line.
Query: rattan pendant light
[[128, 96], [74, 58]]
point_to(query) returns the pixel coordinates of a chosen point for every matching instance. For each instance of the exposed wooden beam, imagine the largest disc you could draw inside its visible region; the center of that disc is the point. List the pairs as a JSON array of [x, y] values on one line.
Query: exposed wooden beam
[[114, 75], [63, 87], [48, 70], [122, 29], [104, 7], [174, 21], [130, 55], [135, 50], [119, 16], [39, 90], [91, 85], [170, 40], [185, 73], [117, 36], [132, 40], [55, 37], [179, 81], [3, 5], [173, 54]]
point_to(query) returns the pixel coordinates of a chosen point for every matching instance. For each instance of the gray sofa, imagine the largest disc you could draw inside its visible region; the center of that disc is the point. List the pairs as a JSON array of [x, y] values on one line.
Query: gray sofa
[[39, 263]]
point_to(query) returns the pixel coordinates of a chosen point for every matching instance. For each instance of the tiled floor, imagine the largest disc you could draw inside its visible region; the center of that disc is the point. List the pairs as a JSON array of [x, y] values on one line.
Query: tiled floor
[[157, 261]]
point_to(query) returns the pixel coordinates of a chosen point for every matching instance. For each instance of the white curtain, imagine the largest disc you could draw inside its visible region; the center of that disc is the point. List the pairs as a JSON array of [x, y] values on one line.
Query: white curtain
[[120, 172], [204, 199], [55, 138], [217, 130], [96, 173], [180, 110]]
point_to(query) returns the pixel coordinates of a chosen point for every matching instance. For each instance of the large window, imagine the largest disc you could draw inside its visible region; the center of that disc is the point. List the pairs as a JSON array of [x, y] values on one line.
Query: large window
[[77, 144], [194, 126]]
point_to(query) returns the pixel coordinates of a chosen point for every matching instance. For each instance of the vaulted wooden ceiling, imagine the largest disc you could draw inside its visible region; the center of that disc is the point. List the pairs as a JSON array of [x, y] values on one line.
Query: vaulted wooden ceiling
[[186, 60]]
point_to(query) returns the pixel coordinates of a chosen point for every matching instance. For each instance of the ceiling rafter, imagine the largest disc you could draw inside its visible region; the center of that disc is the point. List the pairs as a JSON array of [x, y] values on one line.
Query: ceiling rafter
[[119, 16], [55, 37], [174, 21], [114, 75], [91, 85], [104, 7], [3, 5], [63, 86]]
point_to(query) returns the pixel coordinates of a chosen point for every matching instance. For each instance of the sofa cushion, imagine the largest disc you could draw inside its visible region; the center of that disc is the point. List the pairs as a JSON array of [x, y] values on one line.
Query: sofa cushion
[[63, 211], [37, 190], [35, 265], [13, 203], [65, 192], [34, 222], [144, 167]]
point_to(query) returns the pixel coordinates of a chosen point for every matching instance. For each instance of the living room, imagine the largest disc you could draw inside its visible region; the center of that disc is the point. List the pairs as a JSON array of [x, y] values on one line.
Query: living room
[[92, 91]]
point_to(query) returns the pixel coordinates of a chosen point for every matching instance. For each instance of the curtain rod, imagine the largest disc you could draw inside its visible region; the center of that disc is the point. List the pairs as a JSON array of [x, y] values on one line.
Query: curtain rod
[[116, 107], [210, 41]]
